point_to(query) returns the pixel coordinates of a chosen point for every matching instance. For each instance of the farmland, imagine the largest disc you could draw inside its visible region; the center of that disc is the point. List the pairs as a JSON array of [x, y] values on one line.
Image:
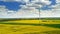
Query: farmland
[[29, 26]]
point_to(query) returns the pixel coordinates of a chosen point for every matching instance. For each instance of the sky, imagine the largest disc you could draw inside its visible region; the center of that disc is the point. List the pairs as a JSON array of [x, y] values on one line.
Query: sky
[[16, 5], [28, 8], [47, 7], [12, 5]]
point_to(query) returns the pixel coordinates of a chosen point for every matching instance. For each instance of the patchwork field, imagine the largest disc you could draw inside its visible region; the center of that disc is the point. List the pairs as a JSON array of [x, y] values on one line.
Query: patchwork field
[[35, 26], [33, 21]]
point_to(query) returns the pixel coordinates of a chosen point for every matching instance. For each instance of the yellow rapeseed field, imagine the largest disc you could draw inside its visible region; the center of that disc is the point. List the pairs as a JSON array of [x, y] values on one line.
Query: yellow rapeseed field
[[36, 21], [29, 29], [25, 29]]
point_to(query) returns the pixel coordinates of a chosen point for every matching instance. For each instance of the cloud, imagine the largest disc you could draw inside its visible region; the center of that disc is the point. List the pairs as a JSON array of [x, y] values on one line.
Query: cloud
[[2, 10], [24, 12], [47, 2], [7, 0], [55, 12], [58, 1], [51, 13], [30, 10], [15, 0], [5, 12]]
